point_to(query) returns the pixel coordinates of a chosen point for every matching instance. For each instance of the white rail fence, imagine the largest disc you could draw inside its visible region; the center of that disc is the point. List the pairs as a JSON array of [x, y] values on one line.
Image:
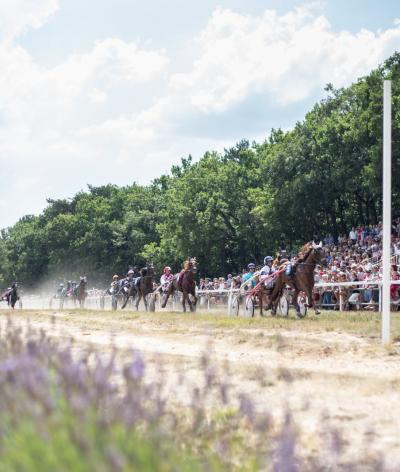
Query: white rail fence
[[221, 299]]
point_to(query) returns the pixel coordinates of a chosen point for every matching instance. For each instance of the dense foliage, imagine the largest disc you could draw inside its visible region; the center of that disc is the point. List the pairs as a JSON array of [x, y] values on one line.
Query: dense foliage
[[321, 177]]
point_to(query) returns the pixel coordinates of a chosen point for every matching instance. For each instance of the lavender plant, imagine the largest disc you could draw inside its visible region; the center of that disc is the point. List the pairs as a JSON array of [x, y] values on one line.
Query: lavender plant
[[65, 408]]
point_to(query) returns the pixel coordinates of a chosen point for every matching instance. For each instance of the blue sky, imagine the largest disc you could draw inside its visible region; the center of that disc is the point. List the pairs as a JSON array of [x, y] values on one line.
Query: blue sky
[[96, 91]]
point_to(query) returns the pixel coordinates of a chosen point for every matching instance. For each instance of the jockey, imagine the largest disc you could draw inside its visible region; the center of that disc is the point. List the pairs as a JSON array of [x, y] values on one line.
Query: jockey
[[185, 267], [130, 276], [281, 259], [251, 270], [166, 278], [115, 285], [292, 264], [115, 279], [267, 269], [68, 288], [60, 290]]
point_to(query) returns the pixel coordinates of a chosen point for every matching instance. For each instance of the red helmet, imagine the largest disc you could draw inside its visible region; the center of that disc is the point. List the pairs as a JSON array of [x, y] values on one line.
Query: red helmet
[[167, 269]]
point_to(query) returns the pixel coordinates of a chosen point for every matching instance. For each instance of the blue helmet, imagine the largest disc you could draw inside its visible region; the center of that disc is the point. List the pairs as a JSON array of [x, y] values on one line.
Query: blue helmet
[[268, 259]]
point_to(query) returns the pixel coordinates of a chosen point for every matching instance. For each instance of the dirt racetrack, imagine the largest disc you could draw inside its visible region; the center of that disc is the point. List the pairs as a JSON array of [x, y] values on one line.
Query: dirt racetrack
[[329, 368]]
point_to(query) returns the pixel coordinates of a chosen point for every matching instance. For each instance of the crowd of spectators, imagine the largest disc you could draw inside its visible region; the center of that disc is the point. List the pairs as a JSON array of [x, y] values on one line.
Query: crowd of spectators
[[352, 257]]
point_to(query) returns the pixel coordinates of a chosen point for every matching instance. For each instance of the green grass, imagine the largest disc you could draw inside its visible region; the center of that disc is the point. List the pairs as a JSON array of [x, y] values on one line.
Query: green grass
[[358, 323]]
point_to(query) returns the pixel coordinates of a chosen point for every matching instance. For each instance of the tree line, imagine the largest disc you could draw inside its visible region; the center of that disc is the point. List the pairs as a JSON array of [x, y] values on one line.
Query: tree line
[[229, 208]]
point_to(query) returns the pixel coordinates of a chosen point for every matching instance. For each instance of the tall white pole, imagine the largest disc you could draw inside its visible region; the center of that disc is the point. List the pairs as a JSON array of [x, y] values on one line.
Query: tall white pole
[[387, 208]]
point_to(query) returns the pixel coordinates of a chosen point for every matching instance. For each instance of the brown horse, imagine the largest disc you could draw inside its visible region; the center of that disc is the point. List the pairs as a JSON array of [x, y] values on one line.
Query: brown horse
[[80, 293], [185, 283], [131, 289], [11, 295], [144, 285], [302, 277]]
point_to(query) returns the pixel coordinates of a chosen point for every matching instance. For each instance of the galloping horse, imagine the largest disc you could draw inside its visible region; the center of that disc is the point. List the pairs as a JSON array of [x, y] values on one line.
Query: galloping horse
[[80, 292], [144, 285], [185, 283], [303, 277], [132, 288], [11, 296]]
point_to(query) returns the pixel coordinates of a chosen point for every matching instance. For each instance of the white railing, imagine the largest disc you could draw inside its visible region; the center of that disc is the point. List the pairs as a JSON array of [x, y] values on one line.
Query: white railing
[[104, 301]]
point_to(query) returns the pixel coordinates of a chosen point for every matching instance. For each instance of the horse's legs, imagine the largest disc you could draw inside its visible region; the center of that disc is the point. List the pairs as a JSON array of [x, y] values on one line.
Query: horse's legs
[[138, 299], [294, 300], [164, 304], [260, 299], [195, 299], [311, 303], [274, 297], [145, 302], [126, 299], [189, 301], [275, 301], [192, 305], [184, 295], [169, 292]]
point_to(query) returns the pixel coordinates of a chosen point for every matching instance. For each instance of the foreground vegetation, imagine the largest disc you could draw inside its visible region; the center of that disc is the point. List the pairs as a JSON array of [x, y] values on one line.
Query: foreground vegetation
[[321, 177], [67, 408]]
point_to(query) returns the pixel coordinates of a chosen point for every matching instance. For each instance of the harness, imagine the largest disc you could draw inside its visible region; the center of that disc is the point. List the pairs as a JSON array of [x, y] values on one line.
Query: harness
[[264, 279], [307, 264]]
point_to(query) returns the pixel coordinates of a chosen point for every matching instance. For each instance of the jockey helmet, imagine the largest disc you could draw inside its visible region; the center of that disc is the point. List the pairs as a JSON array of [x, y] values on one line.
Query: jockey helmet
[[251, 266], [130, 272], [115, 277], [268, 259], [61, 285], [167, 269]]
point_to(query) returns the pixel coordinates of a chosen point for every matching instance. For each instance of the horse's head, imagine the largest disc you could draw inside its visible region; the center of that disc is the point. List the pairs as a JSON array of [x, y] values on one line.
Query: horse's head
[[149, 269], [318, 253], [192, 264]]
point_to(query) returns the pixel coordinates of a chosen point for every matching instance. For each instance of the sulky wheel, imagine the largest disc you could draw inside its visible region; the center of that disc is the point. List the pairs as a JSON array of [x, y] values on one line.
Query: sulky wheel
[[249, 307], [302, 302], [235, 306], [283, 306]]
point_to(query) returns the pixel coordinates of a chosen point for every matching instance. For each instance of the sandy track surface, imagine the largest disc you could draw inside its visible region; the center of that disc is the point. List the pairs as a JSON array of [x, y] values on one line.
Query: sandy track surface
[[348, 378]]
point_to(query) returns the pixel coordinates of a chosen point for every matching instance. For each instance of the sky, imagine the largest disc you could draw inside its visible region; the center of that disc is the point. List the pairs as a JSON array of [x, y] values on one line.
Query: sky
[[100, 91]]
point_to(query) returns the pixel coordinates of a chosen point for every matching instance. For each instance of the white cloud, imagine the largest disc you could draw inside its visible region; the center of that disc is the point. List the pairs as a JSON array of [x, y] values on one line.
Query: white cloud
[[285, 57], [17, 16], [97, 96], [98, 110], [44, 109]]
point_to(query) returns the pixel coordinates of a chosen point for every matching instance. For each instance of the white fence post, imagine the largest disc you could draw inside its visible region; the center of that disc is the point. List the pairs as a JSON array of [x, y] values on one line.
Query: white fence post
[[387, 208], [230, 301]]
